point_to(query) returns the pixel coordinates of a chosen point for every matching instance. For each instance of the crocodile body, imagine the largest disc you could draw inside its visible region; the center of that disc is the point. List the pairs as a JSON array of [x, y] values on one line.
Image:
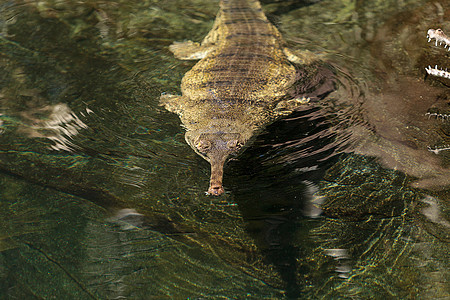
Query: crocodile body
[[243, 81]]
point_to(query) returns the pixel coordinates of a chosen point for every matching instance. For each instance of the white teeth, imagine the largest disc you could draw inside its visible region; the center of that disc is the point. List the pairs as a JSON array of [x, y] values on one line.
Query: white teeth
[[440, 38], [437, 72]]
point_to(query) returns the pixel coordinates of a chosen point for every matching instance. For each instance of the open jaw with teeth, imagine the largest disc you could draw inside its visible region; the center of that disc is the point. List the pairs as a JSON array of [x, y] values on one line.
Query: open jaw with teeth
[[441, 38]]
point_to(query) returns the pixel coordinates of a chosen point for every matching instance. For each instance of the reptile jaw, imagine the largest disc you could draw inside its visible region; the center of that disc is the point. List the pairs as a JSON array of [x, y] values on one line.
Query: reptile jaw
[[215, 190], [215, 183]]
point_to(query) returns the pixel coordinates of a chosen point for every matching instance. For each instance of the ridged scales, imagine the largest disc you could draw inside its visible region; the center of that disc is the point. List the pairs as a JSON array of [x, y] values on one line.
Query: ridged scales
[[241, 83], [248, 63]]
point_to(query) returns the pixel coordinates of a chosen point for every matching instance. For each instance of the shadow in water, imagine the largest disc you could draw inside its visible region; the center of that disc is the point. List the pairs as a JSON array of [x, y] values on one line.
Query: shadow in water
[[274, 184], [284, 6]]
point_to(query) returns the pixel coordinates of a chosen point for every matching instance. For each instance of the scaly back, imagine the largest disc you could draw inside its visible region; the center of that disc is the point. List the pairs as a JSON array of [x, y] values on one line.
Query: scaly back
[[247, 65]]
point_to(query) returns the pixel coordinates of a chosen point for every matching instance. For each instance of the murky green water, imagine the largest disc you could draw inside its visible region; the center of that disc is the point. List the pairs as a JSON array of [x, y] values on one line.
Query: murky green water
[[101, 197]]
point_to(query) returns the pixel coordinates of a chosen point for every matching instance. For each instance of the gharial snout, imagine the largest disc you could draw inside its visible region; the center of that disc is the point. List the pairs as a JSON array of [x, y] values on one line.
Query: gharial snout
[[215, 189], [215, 183], [216, 147]]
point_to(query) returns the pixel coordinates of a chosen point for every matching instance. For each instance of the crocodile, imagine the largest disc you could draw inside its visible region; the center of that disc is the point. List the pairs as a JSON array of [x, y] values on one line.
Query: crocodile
[[440, 38], [440, 109], [245, 79]]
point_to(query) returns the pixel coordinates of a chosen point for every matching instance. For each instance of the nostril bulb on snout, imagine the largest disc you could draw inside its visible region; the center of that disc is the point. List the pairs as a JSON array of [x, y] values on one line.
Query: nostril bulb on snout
[[216, 190]]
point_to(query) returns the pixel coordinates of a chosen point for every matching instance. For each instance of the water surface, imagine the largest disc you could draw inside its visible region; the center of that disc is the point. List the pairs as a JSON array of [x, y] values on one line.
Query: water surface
[[102, 198]]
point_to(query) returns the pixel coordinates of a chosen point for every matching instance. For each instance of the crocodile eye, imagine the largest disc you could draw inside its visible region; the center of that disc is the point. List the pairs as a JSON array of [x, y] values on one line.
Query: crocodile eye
[[203, 146], [234, 145]]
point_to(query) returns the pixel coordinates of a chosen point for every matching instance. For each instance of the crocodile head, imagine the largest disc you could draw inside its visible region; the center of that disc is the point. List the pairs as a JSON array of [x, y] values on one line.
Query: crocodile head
[[216, 147]]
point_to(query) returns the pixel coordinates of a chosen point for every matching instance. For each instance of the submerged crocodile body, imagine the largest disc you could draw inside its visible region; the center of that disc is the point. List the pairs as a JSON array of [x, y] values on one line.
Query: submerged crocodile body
[[440, 109], [245, 79], [441, 38]]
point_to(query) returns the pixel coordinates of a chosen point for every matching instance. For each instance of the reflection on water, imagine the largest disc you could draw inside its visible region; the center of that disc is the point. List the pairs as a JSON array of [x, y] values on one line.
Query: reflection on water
[[434, 212], [101, 197], [340, 255], [55, 122]]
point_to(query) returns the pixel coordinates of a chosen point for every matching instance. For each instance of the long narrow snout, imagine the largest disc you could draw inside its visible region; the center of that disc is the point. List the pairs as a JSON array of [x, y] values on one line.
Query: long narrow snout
[[215, 184]]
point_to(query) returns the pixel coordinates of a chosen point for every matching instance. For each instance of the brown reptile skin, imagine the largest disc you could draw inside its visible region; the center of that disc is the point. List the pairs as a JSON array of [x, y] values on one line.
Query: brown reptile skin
[[242, 82]]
